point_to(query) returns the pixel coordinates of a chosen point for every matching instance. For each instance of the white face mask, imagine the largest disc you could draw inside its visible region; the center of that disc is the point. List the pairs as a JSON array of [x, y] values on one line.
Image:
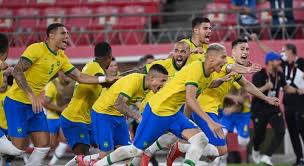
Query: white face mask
[[284, 57]]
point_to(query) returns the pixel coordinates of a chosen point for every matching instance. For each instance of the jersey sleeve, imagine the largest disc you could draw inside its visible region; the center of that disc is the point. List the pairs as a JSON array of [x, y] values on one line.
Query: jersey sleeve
[[196, 74], [129, 88], [31, 53], [230, 61], [50, 90], [66, 67]]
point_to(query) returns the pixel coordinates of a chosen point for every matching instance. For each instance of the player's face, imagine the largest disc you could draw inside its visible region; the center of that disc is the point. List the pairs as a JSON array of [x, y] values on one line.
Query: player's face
[[3, 57], [157, 81], [113, 68], [241, 53], [204, 32], [219, 60], [63, 78], [61, 37], [180, 55], [276, 64], [150, 60]]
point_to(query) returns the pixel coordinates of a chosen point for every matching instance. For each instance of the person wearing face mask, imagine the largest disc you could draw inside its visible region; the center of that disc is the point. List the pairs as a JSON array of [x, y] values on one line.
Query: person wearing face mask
[[269, 80], [293, 67]]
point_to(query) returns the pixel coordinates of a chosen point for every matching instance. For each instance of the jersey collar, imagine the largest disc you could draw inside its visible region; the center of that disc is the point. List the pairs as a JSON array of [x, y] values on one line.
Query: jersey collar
[[53, 52], [203, 65]]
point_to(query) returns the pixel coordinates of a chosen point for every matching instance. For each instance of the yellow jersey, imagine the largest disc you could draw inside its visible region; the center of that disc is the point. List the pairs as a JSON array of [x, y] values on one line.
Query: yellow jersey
[[194, 56], [211, 99], [84, 96], [51, 92], [172, 96], [45, 64], [246, 103], [131, 86], [168, 64], [3, 123]]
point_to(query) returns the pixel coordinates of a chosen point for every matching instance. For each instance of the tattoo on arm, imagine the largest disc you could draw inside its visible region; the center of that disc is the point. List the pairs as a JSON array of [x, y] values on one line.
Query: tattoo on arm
[[123, 108], [18, 74]]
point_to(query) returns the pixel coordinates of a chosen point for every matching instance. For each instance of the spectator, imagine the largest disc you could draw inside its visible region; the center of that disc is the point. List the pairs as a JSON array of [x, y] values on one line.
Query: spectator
[[269, 80], [246, 10], [293, 103], [113, 68], [147, 59], [281, 12]]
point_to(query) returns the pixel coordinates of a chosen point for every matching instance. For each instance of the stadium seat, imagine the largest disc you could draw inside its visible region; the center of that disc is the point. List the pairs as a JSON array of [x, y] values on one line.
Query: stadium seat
[[27, 24], [222, 1], [54, 14], [68, 3], [14, 3], [299, 13], [41, 3], [6, 23], [264, 16], [217, 16], [100, 22]]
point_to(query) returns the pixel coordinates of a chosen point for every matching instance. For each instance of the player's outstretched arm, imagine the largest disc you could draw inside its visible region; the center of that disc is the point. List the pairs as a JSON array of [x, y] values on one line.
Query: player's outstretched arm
[[262, 46], [87, 79], [194, 105], [249, 87], [122, 107], [243, 69], [18, 73]]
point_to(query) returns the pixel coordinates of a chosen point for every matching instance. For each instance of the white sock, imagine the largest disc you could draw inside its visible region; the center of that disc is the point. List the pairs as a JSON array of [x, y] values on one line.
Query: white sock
[[25, 157], [119, 154], [6, 147], [72, 162], [223, 160], [37, 156], [136, 161], [198, 142], [210, 150], [58, 153], [183, 147], [164, 141], [88, 158]]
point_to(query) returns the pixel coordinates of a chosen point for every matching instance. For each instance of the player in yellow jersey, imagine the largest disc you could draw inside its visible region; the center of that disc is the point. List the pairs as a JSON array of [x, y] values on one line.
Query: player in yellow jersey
[[108, 113], [113, 69], [22, 105], [212, 98], [201, 32], [6, 147], [76, 118], [58, 94], [162, 113]]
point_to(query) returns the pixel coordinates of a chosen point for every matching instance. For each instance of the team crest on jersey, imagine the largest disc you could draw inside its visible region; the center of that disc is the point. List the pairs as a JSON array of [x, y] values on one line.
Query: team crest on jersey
[[145, 144], [19, 130], [105, 144], [81, 136]]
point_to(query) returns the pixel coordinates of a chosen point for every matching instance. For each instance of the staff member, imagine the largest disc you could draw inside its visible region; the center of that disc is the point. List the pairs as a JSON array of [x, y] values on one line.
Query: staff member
[[269, 80]]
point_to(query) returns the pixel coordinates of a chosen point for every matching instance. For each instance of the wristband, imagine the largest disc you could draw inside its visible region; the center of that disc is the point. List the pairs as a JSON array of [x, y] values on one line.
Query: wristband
[[102, 79]]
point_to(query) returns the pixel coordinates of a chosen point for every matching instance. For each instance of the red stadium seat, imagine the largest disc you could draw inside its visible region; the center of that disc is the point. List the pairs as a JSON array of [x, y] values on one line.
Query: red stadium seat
[[264, 16], [14, 3], [299, 13], [67, 3], [222, 1], [55, 16], [100, 22], [6, 23], [28, 24], [217, 16]]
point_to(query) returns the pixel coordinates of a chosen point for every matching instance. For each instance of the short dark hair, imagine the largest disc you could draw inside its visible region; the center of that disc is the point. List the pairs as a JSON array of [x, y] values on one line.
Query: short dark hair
[[102, 49], [53, 27], [291, 47], [143, 60], [158, 68], [3, 43], [198, 20], [238, 41], [113, 59]]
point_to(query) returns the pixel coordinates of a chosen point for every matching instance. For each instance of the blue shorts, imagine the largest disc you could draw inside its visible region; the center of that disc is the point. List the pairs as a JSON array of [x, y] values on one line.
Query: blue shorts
[[153, 126], [240, 121], [1, 133], [21, 120], [54, 125], [4, 131], [109, 131], [76, 132], [213, 139]]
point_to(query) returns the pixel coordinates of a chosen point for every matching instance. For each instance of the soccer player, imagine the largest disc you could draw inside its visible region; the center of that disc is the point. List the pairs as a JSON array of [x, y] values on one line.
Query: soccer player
[[198, 43], [108, 113], [76, 118], [22, 105], [162, 111], [6, 147], [58, 94]]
